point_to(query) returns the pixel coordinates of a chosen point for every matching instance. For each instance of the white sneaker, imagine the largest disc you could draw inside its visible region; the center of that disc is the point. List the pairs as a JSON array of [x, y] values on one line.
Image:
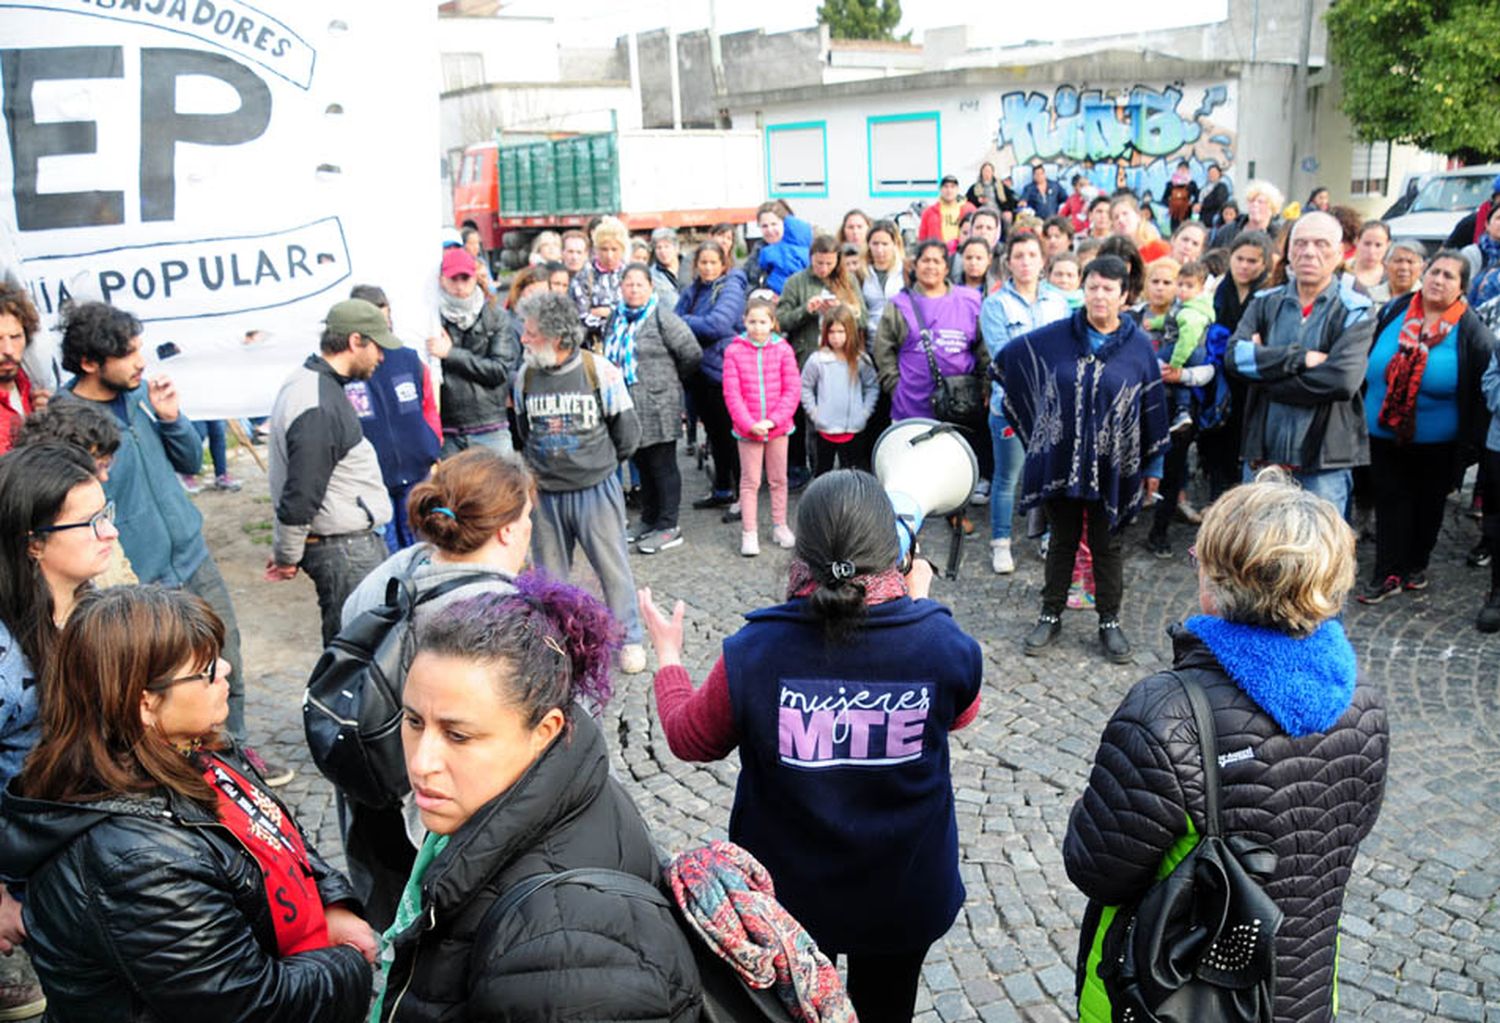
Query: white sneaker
[[784, 537], [981, 494], [1000, 558], [749, 544], [632, 659]]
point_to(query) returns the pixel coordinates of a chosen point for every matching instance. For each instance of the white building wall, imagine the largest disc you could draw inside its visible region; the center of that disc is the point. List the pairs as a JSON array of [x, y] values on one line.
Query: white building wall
[[474, 115], [514, 49]]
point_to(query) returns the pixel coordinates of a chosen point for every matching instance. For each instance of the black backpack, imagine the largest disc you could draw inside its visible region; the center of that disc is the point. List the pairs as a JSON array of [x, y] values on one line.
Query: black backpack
[[726, 998], [1200, 945], [351, 712]]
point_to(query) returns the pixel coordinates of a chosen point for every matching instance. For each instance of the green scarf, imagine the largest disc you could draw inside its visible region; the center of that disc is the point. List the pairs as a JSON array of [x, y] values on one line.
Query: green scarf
[[408, 910]]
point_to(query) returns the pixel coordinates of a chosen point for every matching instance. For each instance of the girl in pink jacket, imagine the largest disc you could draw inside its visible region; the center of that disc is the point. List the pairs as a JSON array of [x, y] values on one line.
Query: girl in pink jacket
[[761, 390]]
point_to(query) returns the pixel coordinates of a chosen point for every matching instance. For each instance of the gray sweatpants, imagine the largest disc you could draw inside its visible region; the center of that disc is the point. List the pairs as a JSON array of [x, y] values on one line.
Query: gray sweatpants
[[595, 519]]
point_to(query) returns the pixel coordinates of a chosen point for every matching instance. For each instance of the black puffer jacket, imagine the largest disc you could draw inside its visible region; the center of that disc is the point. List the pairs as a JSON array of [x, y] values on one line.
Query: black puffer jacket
[[477, 369], [1310, 799], [566, 953], [146, 910]]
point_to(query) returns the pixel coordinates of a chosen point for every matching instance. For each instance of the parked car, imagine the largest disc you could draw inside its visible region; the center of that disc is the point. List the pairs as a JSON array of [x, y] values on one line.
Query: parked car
[[1444, 199]]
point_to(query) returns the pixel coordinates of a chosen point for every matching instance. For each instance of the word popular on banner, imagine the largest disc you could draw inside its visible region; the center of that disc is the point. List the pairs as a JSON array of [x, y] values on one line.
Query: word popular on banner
[[221, 171]]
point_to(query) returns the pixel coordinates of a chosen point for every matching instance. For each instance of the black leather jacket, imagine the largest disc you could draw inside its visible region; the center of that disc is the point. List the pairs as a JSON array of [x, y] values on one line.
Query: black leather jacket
[[478, 369], [1310, 799], [560, 955], [146, 910]]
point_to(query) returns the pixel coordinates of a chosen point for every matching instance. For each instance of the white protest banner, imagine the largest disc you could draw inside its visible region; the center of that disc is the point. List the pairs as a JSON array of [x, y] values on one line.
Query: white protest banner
[[226, 172]]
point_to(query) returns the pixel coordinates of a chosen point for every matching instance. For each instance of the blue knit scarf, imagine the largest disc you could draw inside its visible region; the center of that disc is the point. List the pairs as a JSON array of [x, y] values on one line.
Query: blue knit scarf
[[619, 343], [1304, 684]]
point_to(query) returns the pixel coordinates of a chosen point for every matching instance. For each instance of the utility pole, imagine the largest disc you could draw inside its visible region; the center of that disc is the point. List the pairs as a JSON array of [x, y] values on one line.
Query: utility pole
[[716, 61], [1299, 92], [632, 49], [672, 71]]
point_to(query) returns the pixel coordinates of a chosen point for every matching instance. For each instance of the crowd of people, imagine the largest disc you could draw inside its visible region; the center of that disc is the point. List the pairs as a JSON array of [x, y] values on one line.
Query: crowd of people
[[1107, 356]]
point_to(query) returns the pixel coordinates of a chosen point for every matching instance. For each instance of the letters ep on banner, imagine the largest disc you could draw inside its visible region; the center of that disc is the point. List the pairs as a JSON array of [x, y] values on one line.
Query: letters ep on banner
[[226, 172]]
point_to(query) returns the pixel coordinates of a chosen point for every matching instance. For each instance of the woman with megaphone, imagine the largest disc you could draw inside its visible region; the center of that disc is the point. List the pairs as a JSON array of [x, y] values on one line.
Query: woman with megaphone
[[840, 701], [1086, 397]]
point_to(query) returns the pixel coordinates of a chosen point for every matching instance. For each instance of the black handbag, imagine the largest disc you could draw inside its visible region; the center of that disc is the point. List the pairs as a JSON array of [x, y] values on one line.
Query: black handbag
[[962, 400], [1200, 945]]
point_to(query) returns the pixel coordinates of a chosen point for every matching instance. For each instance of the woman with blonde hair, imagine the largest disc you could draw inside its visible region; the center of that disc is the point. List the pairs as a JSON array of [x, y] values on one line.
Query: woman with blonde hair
[[596, 288], [1263, 204], [545, 248], [1304, 745], [1128, 222]]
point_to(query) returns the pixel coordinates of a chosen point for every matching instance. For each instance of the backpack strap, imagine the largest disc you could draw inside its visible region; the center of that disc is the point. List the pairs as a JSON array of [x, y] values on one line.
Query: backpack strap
[[924, 335], [1208, 748], [449, 585], [599, 878]]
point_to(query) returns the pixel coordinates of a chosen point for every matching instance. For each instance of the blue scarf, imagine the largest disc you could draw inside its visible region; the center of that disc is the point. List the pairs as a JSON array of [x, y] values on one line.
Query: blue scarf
[[619, 343], [1489, 251], [1092, 419], [1304, 684]]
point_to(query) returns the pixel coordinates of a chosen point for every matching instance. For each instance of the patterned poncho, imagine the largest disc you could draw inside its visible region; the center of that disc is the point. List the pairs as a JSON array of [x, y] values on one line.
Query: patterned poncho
[[1091, 421]]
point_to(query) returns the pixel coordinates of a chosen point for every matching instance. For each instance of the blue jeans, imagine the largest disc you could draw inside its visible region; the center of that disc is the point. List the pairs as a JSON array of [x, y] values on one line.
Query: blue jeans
[[1332, 485], [212, 430], [593, 518], [398, 533], [1009, 458], [497, 440]]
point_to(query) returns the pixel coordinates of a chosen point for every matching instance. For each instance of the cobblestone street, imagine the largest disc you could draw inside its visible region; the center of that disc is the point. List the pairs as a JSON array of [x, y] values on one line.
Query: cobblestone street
[[1421, 926]]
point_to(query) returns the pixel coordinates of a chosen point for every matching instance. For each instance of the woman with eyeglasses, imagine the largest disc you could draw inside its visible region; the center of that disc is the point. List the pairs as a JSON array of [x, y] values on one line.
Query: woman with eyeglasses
[[56, 534], [163, 879]]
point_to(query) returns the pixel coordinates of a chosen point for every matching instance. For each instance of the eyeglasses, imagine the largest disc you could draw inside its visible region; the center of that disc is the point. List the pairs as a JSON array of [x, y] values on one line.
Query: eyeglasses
[[209, 676], [96, 522]]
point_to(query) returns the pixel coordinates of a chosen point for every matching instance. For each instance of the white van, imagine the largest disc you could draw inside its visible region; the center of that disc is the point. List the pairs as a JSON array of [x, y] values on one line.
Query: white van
[[1445, 198]]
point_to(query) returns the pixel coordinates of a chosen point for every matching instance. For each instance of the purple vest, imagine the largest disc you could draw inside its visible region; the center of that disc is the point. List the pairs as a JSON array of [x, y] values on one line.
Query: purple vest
[[954, 322]]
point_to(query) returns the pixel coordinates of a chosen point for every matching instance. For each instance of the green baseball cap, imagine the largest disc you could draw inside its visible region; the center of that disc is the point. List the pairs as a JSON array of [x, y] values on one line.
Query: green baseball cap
[[356, 316]]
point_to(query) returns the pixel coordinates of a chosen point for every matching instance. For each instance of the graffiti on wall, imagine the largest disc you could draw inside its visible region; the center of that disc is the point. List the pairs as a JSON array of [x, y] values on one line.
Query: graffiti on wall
[[1143, 130]]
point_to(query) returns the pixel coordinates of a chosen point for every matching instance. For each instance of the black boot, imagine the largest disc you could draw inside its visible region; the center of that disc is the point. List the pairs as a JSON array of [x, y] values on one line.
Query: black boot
[[1489, 615], [1112, 637], [1047, 628]]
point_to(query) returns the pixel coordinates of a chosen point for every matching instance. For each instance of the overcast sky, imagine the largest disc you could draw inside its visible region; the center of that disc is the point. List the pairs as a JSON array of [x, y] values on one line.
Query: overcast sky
[[594, 22]]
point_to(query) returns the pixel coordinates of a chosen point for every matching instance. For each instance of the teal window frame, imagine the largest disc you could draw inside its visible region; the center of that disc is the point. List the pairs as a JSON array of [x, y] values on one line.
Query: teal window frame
[[802, 193], [934, 116]]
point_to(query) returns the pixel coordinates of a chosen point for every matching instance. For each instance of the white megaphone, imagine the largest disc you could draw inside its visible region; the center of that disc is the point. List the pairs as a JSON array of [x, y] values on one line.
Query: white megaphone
[[927, 468]]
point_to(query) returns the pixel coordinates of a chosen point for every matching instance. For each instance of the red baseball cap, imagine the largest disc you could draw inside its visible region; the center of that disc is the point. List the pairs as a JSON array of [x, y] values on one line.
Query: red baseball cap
[[458, 263]]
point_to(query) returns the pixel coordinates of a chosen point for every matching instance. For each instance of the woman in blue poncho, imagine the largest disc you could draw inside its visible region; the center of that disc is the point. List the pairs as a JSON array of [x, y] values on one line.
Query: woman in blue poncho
[[1086, 397]]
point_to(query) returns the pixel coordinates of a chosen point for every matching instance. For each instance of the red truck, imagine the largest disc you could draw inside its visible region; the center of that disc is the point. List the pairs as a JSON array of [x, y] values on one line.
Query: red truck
[[510, 191]]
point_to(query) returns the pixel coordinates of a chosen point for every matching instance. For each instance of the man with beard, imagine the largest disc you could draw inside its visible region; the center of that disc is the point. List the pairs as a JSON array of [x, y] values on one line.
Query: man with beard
[[477, 356], [577, 424], [18, 321], [161, 530], [331, 503]]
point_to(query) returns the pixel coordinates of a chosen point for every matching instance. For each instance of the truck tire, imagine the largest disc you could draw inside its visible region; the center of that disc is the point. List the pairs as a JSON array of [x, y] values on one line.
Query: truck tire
[[519, 240], [512, 259]]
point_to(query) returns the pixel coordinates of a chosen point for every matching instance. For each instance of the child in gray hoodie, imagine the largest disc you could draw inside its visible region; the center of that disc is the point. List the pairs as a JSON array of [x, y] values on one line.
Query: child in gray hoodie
[[839, 390]]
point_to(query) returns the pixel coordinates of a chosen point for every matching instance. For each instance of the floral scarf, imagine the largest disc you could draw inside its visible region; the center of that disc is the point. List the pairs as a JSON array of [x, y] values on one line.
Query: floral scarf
[[619, 338], [1403, 374]]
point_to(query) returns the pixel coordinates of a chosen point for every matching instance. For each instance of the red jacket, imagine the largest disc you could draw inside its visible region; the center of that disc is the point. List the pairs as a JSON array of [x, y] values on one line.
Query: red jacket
[[932, 223], [761, 382], [10, 419]]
